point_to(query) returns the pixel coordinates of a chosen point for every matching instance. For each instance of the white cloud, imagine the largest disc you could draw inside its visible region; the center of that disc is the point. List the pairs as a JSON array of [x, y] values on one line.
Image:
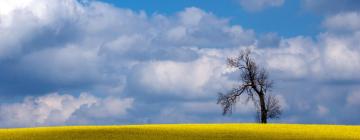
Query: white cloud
[[85, 39], [240, 35], [39, 17], [348, 21], [108, 107], [58, 109], [258, 5], [331, 56], [72, 45], [290, 64], [341, 56], [293, 57], [192, 16], [177, 33], [45, 110], [186, 79]]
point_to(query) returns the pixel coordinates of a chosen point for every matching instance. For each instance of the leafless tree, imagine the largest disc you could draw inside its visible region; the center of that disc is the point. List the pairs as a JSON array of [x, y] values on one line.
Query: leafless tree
[[256, 84]]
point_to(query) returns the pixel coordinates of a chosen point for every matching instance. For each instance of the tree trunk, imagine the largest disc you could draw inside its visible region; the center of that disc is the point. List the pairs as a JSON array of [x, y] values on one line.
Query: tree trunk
[[263, 111]]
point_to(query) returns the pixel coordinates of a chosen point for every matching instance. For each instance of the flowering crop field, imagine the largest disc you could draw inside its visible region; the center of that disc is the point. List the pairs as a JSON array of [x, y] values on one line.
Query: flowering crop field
[[185, 132]]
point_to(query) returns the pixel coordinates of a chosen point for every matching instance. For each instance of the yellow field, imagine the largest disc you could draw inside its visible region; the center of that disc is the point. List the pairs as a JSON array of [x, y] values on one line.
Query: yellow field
[[184, 132]]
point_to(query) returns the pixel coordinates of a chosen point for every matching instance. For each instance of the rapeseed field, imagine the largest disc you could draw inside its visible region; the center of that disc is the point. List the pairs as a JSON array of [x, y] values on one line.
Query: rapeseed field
[[185, 132]]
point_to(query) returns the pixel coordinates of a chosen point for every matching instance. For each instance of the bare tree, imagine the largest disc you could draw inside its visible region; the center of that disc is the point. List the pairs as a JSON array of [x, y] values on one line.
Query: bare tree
[[256, 84], [272, 106]]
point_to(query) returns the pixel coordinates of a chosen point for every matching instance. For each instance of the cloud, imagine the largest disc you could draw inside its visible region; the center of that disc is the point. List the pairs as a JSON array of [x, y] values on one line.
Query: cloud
[[268, 40], [258, 5], [183, 79], [330, 56], [331, 7], [75, 46], [341, 56], [91, 47], [66, 65], [108, 110], [156, 68], [49, 109], [41, 18], [291, 57], [343, 22], [58, 109]]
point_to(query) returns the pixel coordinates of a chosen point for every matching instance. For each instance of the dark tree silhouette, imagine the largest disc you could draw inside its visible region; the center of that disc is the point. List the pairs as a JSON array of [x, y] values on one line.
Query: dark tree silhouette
[[256, 84]]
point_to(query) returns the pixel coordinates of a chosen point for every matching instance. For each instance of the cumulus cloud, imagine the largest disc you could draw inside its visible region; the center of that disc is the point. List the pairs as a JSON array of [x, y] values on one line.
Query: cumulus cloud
[[42, 18], [343, 22], [184, 79], [330, 56], [75, 46], [258, 5], [81, 40], [58, 109], [172, 65], [341, 56], [291, 57]]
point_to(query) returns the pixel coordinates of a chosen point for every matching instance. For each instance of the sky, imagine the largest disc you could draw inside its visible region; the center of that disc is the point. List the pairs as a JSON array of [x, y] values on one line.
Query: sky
[[106, 62]]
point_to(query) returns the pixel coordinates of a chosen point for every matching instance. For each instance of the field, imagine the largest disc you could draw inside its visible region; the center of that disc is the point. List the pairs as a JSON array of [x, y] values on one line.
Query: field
[[184, 132]]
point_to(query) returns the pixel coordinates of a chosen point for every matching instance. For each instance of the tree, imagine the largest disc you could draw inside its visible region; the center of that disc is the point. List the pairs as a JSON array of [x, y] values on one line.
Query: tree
[[256, 84]]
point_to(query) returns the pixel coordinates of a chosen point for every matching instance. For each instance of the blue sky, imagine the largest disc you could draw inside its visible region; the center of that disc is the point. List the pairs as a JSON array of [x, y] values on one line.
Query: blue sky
[[124, 62], [280, 19]]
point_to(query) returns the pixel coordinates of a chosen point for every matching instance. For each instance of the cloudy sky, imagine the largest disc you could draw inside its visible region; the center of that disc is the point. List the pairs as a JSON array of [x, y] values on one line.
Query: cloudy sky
[[85, 62]]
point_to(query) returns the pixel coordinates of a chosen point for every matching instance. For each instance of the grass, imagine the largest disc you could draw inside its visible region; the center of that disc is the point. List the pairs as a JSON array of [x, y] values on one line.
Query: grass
[[184, 132]]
